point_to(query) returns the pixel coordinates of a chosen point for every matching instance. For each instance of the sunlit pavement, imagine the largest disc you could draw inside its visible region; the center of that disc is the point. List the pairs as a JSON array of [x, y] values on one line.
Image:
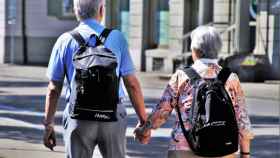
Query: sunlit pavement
[[22, 90]]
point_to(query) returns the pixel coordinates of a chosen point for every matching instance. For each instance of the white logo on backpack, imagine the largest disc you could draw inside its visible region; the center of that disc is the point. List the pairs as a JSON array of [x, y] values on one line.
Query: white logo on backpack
[[101, 116]]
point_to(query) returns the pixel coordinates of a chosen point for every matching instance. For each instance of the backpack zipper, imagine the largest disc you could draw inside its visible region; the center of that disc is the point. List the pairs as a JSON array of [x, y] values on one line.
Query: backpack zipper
[[101, 55], [94, 110], [98, 77]]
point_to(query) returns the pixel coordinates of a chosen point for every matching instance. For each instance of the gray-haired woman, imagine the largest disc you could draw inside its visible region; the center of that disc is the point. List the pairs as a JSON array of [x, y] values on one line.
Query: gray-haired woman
[[206, 43]]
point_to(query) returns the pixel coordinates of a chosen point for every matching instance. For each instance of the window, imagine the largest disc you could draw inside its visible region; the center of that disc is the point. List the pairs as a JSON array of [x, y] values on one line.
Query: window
[[157, 64], [163, 22], [125, 18], [67, 8], [61, 9], [12, 11], [157, 23]]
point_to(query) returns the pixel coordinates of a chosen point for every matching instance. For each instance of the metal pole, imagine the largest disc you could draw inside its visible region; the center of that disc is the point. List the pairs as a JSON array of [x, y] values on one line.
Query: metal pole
[[242, 38], [24, 37], [12, 44]]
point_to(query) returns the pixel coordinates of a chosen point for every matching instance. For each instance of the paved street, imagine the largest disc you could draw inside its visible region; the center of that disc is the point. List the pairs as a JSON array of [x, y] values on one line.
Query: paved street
[[22, 90]]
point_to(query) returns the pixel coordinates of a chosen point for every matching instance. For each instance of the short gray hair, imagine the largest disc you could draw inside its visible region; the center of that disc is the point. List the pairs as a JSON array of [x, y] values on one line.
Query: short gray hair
[[207, 40], [85, 9]]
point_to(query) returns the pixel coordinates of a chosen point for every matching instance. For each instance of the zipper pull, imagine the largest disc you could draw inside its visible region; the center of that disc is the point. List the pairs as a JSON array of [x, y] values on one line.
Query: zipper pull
[[98, 77]]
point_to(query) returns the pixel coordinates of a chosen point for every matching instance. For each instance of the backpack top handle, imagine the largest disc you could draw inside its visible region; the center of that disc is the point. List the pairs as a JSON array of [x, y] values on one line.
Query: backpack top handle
[[101, 39]]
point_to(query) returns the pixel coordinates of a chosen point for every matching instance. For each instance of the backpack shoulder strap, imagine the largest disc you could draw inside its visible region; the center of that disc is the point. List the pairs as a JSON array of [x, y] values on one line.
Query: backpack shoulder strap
[[224, 75], [104, 34], [77, 36], [192, 74]]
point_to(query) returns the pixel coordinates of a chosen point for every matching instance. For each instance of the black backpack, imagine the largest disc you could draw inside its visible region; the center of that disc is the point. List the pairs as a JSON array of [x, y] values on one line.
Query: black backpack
[[213, 127], [95, 88]]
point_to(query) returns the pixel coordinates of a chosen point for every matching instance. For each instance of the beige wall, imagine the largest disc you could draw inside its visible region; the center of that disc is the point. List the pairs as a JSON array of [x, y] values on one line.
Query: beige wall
[[136, 31], [41, 25], [42, 30]]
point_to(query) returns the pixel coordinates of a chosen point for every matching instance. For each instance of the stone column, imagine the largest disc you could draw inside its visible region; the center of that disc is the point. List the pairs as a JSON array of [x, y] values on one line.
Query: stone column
[[242, 35], [261, 25], [136, 33], [221, 18], [176, 30], [2, 31]]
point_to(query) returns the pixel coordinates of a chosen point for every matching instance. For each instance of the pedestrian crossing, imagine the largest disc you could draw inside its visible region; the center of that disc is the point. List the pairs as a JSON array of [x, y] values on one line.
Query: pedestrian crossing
[[11, 119]]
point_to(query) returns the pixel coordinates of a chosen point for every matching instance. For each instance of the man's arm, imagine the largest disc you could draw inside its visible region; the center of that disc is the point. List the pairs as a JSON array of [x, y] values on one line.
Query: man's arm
[[135, 94], [53, 94]]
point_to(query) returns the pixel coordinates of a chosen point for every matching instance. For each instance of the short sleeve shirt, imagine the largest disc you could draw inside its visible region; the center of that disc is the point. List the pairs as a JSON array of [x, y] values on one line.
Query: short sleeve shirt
[[60, 64]]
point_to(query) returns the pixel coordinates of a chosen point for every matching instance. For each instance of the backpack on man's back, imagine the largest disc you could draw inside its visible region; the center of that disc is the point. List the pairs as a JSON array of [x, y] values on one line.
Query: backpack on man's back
[[94, 94], [213, 127]]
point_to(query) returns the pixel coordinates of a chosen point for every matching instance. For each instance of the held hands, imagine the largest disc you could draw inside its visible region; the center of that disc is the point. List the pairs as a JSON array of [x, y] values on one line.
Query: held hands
[[49, 137], [142, 134]]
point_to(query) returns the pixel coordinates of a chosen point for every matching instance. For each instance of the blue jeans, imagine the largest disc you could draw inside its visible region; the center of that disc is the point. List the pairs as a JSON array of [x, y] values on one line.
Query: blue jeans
[[81, 137]]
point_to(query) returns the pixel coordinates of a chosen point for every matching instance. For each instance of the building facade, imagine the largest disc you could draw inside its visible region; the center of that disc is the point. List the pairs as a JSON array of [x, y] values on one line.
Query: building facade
[[28, 32], [158, 31]]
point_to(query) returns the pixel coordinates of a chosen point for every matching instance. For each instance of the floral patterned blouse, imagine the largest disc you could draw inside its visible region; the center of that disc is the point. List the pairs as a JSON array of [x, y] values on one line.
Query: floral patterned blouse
[[206, 68]]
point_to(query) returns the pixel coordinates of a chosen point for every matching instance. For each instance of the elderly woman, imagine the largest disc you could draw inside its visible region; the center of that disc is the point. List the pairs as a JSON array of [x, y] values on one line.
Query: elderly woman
[[206, 43]]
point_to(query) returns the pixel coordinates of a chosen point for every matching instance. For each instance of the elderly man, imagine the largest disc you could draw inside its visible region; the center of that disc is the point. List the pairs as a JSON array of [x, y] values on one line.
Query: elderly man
[[206, 43], [82, 136]]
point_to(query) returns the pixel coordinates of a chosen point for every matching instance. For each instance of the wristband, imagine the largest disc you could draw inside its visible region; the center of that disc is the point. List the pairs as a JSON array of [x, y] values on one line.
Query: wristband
[[244, 153]]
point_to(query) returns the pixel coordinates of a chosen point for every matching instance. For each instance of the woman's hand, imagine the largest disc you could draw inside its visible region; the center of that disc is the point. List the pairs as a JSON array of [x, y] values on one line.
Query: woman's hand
[[142, 134]]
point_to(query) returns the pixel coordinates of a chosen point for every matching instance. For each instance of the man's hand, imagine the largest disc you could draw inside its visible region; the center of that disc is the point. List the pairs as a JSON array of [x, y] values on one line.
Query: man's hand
[[142, 134], [49, 137]]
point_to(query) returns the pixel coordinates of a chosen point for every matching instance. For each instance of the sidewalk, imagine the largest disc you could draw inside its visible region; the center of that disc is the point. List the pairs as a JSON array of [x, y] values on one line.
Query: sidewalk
[[148, 81]]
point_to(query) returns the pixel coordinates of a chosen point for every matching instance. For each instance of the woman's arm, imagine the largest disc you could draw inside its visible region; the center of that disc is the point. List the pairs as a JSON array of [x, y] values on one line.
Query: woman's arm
[[160, 112], [241, 111]]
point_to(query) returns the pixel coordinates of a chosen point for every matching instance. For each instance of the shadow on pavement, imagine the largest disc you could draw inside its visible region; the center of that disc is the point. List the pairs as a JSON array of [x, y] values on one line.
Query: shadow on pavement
[[267, 146], [34, 103], [264, 119], [262, 146], [42, 151], [157, 148], [23, 84], [30, 135]]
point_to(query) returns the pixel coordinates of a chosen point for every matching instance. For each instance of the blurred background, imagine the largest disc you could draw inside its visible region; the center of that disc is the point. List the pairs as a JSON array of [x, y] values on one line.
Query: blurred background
[[158, 33]]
